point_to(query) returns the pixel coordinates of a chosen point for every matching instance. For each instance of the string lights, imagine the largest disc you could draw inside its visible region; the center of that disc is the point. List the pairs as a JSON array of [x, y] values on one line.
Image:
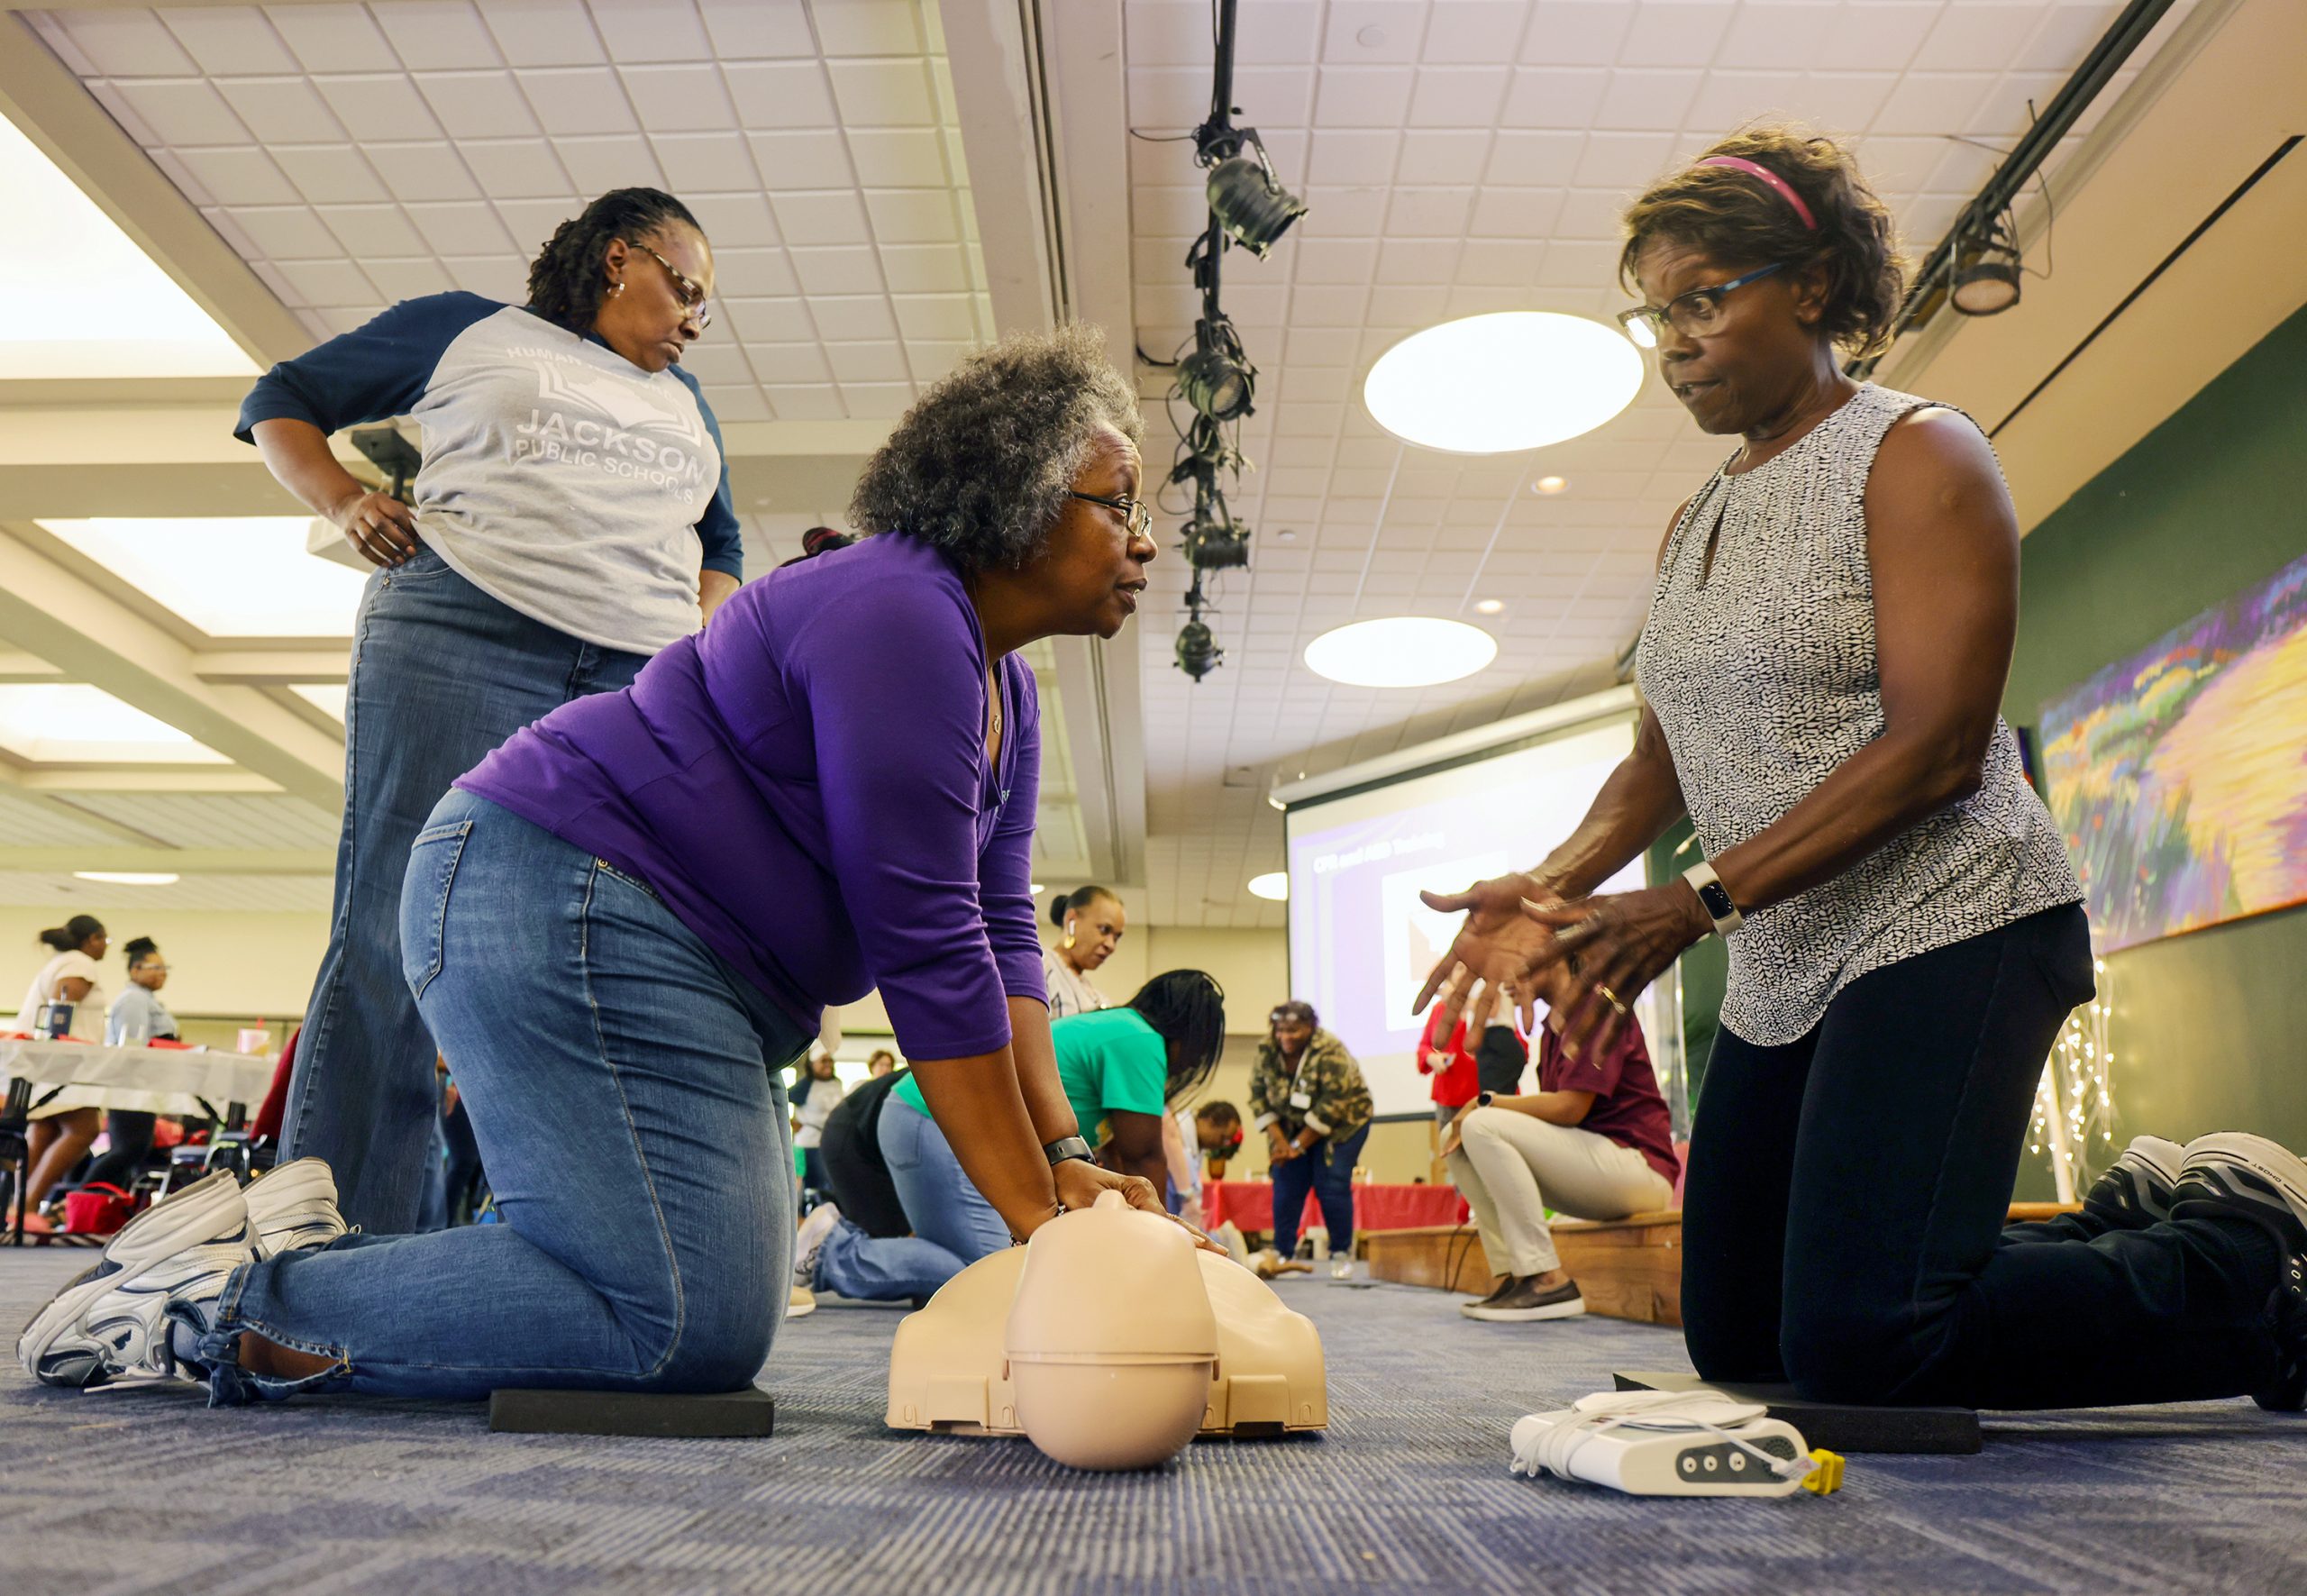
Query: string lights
[[2074, 1103]]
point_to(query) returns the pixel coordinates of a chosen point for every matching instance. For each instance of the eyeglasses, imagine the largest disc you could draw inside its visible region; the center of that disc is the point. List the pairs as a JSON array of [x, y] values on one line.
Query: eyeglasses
[[1693, 314], [1140, 513], [692, 292]]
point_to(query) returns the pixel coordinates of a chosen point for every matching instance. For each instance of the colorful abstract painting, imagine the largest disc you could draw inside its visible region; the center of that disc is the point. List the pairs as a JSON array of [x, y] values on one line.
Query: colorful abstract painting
[[2180, 774]]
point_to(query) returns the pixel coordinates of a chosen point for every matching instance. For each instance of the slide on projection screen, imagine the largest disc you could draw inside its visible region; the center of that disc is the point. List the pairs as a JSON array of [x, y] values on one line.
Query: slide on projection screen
[[1361, 943]]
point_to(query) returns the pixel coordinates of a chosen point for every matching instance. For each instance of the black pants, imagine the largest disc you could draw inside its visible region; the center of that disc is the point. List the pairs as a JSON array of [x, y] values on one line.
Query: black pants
[[131, 1134], [1845, 1214]]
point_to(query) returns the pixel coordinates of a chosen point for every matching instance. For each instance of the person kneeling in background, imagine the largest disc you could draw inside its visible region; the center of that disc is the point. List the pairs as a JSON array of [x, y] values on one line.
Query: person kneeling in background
[[1594, 1141]]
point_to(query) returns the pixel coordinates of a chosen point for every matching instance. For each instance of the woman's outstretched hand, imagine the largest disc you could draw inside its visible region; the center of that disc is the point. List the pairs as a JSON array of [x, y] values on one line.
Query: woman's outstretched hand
[[1621, 942], [1497, 941]]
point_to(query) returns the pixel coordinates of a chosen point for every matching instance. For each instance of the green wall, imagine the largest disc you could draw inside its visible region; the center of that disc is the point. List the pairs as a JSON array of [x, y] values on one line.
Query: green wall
[[2210, 1028]]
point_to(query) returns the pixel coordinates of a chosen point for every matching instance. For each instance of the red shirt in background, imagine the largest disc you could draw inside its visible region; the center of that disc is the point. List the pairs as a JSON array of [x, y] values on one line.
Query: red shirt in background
[[1627, 1106], [1457, 1081]]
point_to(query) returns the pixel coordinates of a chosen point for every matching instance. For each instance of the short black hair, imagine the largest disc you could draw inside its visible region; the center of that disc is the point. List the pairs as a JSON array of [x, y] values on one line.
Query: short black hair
[[567, 281], [75, 931], [1187, 1010], [138, 950], [1219, 1112]]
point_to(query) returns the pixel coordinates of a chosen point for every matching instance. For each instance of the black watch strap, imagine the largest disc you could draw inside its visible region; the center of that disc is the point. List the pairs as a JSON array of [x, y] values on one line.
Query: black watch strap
[[1066, 1148]]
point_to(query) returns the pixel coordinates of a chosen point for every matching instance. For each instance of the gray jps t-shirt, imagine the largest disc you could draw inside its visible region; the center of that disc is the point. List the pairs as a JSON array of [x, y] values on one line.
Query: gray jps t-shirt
[[557, 477]]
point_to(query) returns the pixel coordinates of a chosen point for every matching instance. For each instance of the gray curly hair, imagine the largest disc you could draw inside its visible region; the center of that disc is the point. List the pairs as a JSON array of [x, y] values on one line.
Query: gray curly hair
[[981, 465]]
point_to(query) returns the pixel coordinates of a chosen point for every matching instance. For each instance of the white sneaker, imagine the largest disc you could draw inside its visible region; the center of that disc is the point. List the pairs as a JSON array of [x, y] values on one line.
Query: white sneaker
[[293, 1207], [170, 1262], [810, 1240], [1342, 1270]]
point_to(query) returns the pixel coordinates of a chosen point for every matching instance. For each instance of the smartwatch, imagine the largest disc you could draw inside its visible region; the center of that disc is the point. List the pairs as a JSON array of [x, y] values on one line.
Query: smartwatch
[[1483, 1099], [1066, 1148], [1715, 897]]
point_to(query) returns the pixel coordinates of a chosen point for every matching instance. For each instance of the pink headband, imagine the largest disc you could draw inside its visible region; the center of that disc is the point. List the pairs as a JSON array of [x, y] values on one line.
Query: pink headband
[[1785, 189]]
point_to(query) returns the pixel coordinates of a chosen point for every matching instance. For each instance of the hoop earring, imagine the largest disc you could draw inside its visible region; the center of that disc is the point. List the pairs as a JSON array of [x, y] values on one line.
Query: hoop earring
[[617, 287]]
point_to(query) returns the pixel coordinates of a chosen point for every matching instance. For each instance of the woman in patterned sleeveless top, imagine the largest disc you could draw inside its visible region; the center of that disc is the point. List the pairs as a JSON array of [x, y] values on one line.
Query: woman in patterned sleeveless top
[[1827, 646]]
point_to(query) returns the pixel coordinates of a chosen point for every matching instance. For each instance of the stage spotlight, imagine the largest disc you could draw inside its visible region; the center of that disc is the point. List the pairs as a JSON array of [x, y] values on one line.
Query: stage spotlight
[[1215, 541], [1254, 209], [1198, 651], [1988, 284], [1218, 380]]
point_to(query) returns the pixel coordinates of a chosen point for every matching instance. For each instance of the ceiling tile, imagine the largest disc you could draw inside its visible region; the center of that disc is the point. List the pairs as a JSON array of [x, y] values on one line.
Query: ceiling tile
[[515, 168], [331, 172], [926, 269], [328, 282], [430, 170], [794, 365], [239, 176], [873, 361], [183, 111], [1366, 33], [866, 27], [543, 32], [1554, 97], [624, 160], [577, 99], [706, 161], [740, 221], [744, 29], [780, 94], [1457, 97], [844, 268], [408, 279], [477, 105], [913, 216], [1647, 98], [651, 30], [769, 321], [881, 93], [1364, 97], [281, 110], [459, 228], [832, 217], [1932, 103], [1470, 31], [228, 40], [1576, 33], [679, 99], [877, 401], [376, 106], [437, 35], [815, 158], [896, 158], [285, 232], [127, 43], [1674, 32], [804, 402]]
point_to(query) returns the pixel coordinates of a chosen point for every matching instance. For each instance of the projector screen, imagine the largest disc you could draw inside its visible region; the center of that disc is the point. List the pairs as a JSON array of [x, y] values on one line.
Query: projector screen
[[1361, 943]]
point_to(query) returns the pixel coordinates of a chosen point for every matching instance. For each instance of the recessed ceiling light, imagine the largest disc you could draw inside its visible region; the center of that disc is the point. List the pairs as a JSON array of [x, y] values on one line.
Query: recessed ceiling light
[[1274, 886], [84, 300], [322, 696], [1513, 379], [1490, 606], [246, 575], [1286, 535], [1549, 485], [1037, 889], [128, 878], [71, 723], [1401, 651]]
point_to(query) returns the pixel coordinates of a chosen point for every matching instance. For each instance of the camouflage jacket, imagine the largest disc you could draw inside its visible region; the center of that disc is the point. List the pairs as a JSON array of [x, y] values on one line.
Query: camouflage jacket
[[1338, 1099]]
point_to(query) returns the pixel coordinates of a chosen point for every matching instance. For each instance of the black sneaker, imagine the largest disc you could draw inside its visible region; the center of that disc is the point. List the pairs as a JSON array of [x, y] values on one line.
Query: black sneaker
[[1506, 1284], [2136, 1191], [1529, 1300], [2231, 1175]]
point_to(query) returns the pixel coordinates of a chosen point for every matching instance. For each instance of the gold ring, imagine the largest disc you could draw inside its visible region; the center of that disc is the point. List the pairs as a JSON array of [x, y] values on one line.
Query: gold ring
[[1609, 997]]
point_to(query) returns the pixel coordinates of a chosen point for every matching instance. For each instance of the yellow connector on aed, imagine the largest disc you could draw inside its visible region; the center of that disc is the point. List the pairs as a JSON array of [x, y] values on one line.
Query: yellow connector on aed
[[1825, 1477]]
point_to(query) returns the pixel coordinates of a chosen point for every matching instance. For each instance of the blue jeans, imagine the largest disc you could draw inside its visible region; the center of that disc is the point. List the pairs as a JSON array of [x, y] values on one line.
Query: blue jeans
[[1327, 1169], [623, 1088], [883, 1268], [442, 673], [940, 1203]]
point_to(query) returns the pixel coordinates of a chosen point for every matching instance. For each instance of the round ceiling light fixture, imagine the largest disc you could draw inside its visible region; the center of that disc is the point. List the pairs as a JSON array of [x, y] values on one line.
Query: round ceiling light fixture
[[1549, 486], [1490, 606], [1274, 886], [1510, 380], [1401, 651], [128, 877]]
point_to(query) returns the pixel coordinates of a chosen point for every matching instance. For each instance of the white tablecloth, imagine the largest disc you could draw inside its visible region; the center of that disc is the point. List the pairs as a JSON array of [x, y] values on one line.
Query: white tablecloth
[[145, 1080]]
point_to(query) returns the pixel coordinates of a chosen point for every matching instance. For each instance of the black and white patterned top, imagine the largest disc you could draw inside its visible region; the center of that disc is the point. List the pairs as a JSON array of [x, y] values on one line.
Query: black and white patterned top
[[1764, 679]]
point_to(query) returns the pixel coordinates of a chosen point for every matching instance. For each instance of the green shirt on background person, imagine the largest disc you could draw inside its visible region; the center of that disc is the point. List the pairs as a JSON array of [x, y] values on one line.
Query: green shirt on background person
[[1107, 1059]]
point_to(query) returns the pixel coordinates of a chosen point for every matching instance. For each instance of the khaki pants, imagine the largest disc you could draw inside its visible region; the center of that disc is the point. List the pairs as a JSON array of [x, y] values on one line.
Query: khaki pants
[[1513, 1167]]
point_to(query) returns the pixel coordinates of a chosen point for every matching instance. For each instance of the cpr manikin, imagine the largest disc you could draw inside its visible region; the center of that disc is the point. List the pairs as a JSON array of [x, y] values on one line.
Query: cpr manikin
[[1110, 1341]]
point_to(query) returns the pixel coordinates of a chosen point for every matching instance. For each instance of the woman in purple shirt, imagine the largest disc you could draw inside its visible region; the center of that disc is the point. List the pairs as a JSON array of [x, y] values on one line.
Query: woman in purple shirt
[[627, 921]]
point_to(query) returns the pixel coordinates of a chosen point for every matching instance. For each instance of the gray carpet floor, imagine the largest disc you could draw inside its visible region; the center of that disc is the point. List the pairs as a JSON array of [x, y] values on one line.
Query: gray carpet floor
[[147, 1490]]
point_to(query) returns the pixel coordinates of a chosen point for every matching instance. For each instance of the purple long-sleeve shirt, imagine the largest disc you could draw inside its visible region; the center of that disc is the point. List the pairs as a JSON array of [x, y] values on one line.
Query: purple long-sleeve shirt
[[805, 785]]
